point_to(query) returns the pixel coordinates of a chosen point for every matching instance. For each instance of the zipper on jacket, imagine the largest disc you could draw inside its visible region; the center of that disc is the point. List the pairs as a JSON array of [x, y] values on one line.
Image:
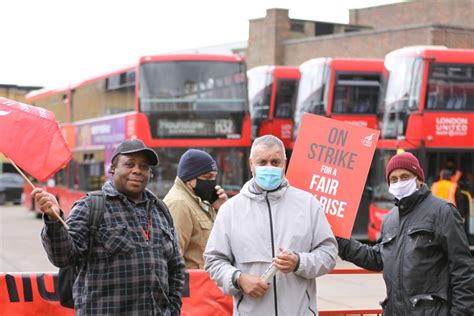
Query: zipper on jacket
[[238, 303], [275, 296], [400, 273], [309, 303]]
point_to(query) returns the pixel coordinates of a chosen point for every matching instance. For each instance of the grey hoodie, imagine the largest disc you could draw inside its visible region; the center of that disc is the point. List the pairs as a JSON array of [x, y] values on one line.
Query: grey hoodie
[[242, 239]]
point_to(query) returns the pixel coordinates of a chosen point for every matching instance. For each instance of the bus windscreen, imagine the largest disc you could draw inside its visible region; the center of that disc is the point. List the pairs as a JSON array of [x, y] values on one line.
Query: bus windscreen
[[194, 99], [356, 93]]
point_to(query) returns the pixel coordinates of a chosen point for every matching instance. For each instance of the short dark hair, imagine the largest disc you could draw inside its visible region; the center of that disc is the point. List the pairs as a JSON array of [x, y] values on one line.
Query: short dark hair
[[446, 174]]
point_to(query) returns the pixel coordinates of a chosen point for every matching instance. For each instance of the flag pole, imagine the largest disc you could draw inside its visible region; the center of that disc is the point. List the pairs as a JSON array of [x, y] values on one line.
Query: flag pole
[[33, 187], [22, 174]]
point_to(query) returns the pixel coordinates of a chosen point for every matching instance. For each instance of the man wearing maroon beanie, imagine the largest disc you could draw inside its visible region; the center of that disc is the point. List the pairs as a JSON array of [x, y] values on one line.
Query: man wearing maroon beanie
[[423, 250]]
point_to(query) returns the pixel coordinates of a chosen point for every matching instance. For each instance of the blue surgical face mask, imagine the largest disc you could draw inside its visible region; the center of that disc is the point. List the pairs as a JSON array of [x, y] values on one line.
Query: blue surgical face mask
[[268, 178]]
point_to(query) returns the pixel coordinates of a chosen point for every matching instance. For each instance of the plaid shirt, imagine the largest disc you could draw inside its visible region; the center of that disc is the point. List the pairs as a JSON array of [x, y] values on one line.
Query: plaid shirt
[[126, 275]]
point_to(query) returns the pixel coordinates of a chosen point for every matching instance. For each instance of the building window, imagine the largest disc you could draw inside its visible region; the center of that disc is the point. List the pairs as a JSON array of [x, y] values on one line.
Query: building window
[[351, 29], [297, 26], [322, 28]]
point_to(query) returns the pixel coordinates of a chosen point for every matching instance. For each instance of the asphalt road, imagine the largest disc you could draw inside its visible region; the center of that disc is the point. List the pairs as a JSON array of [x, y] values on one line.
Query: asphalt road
[[20, 243], [21, 251]]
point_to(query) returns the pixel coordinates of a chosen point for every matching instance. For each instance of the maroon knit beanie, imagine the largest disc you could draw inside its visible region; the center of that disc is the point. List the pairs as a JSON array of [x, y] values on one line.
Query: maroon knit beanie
[[405, 161]]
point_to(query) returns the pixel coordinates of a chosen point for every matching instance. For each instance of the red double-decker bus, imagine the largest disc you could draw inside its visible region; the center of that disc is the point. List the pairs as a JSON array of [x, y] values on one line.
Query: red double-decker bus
[[171, 102], [428, 109], [272, 93], [346, 89]]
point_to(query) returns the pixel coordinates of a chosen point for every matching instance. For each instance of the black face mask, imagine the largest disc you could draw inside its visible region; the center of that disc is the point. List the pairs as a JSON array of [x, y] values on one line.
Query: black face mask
[[205, 189]]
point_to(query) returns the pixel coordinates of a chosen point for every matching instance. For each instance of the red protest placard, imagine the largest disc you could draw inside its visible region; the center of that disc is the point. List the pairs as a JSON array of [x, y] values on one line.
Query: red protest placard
[[331, 160]]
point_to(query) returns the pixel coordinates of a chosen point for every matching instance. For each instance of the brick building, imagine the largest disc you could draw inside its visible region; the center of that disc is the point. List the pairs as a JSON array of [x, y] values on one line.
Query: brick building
[[15, 92], [372, 32]]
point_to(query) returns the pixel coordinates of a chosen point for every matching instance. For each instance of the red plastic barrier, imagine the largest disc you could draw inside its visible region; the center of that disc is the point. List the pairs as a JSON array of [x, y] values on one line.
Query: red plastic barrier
[[204, 297], [33, 294], [30, 294]]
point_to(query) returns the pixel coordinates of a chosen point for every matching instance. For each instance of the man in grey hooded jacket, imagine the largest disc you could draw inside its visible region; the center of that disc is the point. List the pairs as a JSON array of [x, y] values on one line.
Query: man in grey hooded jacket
[[253, 228]]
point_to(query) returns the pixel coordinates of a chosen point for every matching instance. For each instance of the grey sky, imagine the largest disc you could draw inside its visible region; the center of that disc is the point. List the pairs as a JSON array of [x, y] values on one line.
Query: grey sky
[[54, 42]]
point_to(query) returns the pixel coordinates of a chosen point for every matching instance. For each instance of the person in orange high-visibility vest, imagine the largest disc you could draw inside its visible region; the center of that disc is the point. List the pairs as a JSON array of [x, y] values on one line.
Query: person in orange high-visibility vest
[[445, 188]]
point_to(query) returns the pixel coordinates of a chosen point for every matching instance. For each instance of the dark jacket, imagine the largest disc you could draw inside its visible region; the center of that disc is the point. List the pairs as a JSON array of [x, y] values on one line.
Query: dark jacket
[[424, 254]]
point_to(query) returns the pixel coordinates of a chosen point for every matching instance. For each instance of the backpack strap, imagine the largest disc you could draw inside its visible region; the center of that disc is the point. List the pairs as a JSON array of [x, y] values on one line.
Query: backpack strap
[[96, 213], [165, 211]]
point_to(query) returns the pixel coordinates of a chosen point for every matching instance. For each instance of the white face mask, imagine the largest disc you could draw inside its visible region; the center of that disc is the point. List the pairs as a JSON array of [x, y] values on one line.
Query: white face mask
[[403, 189]]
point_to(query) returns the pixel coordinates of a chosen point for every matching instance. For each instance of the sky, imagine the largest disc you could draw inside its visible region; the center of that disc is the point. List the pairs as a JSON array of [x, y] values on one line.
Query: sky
[[52, 43]]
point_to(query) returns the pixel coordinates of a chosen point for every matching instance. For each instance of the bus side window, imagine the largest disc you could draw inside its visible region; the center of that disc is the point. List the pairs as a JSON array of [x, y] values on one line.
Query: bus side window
[[456, 103], [432, 100]]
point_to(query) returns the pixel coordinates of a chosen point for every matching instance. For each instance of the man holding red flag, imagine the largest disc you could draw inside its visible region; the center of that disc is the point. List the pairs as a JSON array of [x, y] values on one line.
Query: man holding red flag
[[134, 267]]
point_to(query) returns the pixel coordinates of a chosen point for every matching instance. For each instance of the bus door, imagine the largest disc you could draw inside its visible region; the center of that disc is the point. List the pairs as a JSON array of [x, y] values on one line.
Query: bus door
[[462, 164], [354, 100], [272, 90], [281, 119], [260, 97]]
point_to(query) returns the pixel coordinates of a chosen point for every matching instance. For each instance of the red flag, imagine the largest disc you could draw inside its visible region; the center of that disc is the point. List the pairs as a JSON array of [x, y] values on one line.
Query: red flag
[[30, 136]]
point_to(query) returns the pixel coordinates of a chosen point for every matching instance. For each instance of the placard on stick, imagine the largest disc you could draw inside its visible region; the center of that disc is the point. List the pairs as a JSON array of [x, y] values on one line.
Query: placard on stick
[[331, 160]]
